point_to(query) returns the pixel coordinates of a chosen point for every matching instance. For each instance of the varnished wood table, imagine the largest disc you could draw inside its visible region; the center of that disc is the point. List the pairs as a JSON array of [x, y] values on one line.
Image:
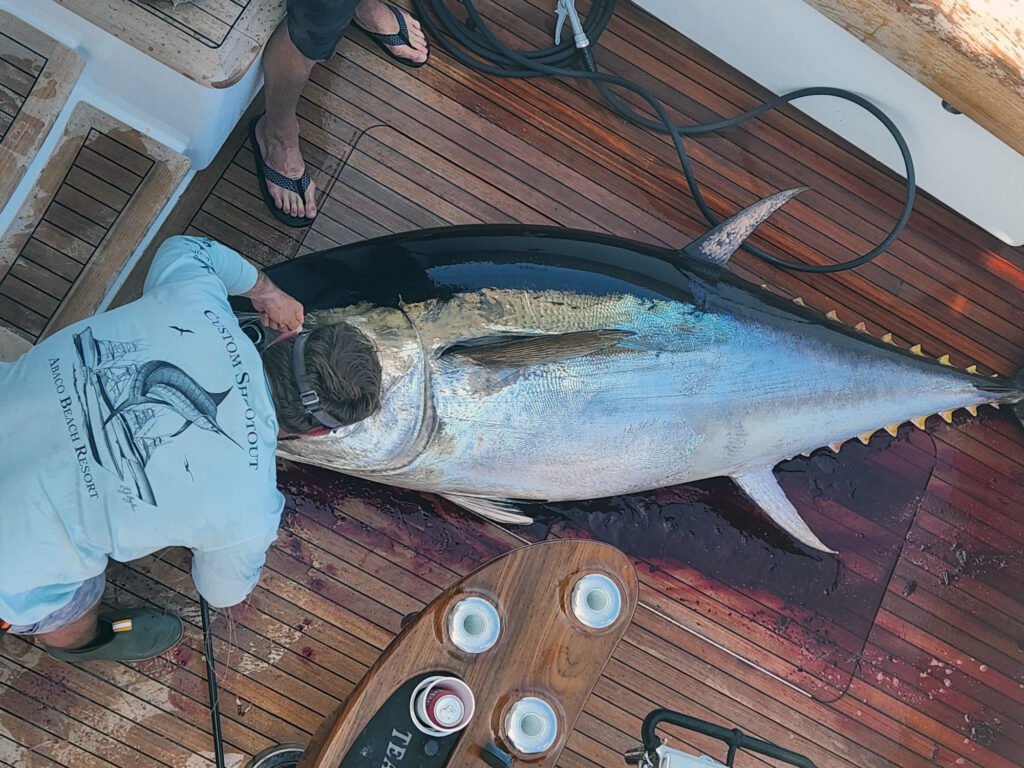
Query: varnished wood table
[[542, 651]]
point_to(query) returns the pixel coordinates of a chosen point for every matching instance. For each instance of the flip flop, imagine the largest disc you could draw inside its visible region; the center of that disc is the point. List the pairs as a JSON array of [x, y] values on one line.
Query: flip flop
[[265, 173], [400, 38]]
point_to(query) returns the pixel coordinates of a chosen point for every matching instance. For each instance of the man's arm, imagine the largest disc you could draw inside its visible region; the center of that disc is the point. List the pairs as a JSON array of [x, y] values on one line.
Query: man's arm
[[277, 309], [199, 259]]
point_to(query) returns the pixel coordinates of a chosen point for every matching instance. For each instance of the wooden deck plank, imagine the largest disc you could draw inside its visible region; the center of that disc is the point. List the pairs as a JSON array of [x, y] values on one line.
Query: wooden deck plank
[[39, 277]]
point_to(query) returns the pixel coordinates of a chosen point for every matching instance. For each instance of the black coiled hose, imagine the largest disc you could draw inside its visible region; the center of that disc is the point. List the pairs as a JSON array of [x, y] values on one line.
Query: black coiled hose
[[473, 44]]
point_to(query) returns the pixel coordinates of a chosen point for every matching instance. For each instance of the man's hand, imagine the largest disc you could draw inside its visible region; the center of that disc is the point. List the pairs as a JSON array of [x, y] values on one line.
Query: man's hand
[[277, 309]]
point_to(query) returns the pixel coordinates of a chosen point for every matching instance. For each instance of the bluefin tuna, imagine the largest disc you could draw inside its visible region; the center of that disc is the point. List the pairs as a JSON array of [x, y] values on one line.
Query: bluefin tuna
[[525, 363]]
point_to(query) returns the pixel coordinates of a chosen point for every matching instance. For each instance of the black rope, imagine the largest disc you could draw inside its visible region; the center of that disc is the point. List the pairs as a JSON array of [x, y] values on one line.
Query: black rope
[[472, 43]]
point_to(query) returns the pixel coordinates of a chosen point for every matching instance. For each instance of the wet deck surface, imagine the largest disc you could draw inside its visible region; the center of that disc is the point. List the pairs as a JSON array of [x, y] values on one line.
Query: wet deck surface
[[906, 650]]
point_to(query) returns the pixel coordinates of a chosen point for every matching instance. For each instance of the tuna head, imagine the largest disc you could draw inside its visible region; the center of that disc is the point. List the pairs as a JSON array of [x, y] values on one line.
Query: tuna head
[[393, 436]]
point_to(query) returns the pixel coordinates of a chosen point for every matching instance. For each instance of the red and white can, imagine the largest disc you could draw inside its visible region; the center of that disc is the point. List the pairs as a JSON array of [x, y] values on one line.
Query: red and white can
[[441, 705]]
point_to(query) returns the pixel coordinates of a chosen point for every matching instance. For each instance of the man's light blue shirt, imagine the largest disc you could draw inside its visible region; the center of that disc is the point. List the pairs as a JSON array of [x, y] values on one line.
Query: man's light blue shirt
[[147, 426]]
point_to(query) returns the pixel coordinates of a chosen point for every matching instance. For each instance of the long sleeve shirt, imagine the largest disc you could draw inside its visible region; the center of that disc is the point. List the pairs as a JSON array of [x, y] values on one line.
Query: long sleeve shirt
[[147, 426]]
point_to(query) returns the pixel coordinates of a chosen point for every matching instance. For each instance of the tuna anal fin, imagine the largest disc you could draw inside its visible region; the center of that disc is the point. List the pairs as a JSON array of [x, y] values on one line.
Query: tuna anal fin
[[764, 490], [535, 350], [492, 509]]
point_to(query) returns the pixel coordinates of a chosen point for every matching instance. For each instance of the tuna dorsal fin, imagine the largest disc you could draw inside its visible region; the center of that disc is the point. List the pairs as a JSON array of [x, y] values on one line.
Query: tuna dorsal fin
[[492, 509], [764, 490], [513, 352], [720, 243]]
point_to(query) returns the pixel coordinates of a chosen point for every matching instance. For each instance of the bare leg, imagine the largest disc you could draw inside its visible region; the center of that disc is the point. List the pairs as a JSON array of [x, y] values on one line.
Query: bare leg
[[78, 634], [376, 16], [285, 71]]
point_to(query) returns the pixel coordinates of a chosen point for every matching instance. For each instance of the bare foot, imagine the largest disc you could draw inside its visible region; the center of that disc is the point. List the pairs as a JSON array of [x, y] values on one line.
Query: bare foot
[[375, 16], [281, 152]]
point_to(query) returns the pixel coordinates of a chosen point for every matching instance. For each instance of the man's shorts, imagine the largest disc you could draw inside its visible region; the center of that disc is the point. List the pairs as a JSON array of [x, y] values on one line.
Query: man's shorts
[[88, 594], [317, 26]]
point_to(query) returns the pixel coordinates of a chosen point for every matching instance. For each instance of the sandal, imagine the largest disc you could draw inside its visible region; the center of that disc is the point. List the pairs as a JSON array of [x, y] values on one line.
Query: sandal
[[265, 173], [400, 38], [134, 634]]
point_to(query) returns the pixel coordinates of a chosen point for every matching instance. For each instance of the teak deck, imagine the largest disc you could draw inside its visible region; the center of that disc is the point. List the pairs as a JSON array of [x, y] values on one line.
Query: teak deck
[[93, 203], [36, 77], [906, 653], [213, 42]]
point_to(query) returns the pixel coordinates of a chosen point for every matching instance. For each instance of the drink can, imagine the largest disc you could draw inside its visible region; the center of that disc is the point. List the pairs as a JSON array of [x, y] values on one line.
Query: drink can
[[443, 707]]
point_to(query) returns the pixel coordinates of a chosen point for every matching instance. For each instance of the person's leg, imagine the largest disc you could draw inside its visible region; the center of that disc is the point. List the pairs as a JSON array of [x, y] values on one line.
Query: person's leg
[[80, 633], [285, 71], [310, 32], [377, 16]]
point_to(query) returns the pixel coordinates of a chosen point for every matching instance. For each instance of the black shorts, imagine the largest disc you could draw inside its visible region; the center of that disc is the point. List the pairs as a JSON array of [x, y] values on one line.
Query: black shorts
[[317, 26]]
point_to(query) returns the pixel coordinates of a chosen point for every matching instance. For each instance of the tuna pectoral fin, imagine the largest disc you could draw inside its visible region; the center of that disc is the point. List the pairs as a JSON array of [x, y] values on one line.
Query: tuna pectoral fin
[[763, 489], [534, 350], [493, 509]]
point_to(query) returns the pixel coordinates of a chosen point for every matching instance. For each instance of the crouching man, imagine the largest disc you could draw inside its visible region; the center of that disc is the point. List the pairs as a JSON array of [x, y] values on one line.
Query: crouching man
[[154, 425]]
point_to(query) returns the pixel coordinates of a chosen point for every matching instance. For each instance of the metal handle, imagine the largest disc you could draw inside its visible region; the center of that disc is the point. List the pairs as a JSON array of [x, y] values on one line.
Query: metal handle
[[496, 758], [733, 737]]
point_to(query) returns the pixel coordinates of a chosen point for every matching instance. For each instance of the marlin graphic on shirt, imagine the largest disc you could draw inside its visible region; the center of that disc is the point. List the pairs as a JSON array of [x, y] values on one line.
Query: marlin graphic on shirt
[[124, 399], [159, 383]]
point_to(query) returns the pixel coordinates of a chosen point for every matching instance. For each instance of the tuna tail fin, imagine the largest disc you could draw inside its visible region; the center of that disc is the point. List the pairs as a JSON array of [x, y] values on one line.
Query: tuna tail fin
[[719, 244], [764, 490]]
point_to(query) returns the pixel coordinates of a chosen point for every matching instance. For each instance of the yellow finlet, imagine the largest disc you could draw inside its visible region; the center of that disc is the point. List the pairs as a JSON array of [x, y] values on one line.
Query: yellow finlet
[[916, 349], [799, 301], [947, 416], [861, 327], [944, 360], [835, 446], [995, 405], [972, 369], [892, 429], [865, 438], [972, 409], [831, 315], [919, 421]]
